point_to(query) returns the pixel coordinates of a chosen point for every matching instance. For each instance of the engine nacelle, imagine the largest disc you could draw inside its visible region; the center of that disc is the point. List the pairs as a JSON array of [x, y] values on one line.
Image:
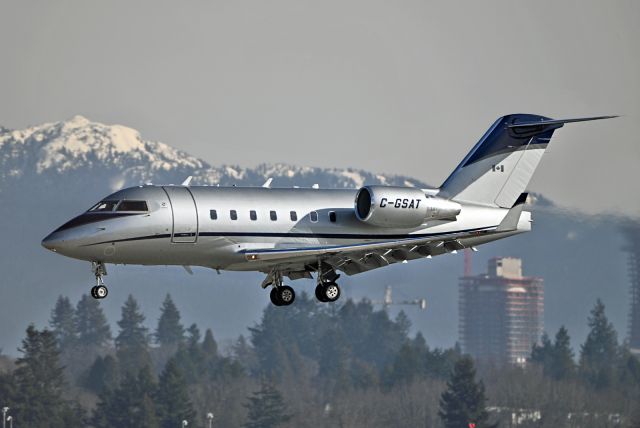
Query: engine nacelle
[[390, 206]]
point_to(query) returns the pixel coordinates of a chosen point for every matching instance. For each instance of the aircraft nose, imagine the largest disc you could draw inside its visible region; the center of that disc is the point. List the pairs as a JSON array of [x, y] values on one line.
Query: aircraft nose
[[52, 241]]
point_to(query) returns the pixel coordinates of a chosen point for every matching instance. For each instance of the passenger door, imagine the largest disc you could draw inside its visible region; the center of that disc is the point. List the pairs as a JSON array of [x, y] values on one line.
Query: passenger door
[[185, 215]]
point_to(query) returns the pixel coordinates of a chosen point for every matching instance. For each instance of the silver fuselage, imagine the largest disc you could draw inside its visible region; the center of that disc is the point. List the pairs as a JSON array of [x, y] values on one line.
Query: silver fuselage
[[178, 228]]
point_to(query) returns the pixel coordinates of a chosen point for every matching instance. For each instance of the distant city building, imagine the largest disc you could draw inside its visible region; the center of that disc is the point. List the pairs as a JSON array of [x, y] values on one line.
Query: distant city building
[[632, 235], [501, 313]]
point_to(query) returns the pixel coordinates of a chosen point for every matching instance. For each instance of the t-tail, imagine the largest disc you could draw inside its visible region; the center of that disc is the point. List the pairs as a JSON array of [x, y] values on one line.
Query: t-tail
[[498, 169]]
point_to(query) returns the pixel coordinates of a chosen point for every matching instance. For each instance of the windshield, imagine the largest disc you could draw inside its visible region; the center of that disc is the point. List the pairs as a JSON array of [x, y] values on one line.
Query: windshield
[[104, 206], [132, 206]]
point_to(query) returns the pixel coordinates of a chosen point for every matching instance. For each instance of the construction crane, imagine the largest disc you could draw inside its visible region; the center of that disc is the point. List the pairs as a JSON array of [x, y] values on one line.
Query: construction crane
[[388, 300]]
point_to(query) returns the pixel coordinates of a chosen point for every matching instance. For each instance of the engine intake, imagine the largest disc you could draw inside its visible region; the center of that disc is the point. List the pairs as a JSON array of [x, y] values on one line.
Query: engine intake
[[391, 206]]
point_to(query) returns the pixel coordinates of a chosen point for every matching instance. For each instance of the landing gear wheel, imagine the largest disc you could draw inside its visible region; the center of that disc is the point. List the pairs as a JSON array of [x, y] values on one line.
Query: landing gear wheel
[[99, 292], [282, 296], [328, 292], [286, 295]]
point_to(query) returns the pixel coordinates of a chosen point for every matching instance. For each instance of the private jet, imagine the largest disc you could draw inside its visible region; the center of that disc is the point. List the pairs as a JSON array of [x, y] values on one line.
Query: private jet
[[305, 232]]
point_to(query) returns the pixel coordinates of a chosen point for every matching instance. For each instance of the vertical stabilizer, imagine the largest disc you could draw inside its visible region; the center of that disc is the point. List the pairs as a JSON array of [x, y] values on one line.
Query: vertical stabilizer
[[499, 167]]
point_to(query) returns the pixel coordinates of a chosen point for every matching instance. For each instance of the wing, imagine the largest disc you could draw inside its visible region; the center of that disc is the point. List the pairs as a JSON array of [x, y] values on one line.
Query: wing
[[358, 258]]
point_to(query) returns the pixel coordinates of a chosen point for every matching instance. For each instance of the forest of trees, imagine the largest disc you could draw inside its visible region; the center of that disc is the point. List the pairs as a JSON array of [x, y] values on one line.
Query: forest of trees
[[306, 365]]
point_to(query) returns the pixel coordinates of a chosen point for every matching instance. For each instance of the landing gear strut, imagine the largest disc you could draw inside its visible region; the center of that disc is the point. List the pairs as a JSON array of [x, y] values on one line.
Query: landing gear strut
[[99, 291], [281, 295]]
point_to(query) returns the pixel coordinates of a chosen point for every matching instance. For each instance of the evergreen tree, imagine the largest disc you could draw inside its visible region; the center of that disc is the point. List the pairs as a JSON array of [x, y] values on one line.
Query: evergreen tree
[[132, 343], [173, 398], [169, 332], [597, 357], [131, 405], [63, 323], [266, 408], [556, 359], [463, 402], [190, 358], [91, 323], [102, 375], [193, 335], [410, 361], [245, 355], [543, 354], [39, 382], [563, 366], [209, 345]]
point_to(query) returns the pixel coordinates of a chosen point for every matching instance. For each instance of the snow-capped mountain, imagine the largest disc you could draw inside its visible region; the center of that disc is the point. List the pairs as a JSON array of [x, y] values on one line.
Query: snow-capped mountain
[[66, 147]]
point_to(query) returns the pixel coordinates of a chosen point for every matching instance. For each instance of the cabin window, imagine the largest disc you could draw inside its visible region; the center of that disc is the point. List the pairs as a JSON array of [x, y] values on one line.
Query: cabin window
[[273, 215], [313, 216], [252, 215], [104, 206], [233, 214], [132, 206], [213, 214], [332, 216], [294, 216]]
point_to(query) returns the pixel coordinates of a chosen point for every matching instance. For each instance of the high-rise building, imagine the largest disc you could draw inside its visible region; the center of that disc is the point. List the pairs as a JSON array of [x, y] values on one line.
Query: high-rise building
[[501, 313], [632, 235]]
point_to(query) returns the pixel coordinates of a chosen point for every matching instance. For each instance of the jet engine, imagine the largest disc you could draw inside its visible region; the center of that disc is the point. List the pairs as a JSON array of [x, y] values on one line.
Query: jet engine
[[390, 206]]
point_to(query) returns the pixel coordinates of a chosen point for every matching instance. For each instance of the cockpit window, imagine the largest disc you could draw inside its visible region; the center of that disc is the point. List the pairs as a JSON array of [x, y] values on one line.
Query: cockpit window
[[132, 206], [104, 206]]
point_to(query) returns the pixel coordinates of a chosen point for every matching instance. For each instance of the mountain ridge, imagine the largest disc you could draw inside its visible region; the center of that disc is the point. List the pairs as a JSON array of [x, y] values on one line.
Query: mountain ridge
[[66, 146]]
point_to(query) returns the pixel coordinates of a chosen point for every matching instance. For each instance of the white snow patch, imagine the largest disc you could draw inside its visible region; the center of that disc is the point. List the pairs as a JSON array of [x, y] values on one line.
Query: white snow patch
[[357, 179], [125, 139]]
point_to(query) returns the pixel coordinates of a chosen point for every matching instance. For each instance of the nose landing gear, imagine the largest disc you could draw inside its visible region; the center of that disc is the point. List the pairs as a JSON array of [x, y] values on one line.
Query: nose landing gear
[[99, 291]]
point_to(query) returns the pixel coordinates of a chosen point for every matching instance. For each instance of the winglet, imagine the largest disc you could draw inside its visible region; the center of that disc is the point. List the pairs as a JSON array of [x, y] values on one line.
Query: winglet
[[510, 221], [187, 181], [267, 184]]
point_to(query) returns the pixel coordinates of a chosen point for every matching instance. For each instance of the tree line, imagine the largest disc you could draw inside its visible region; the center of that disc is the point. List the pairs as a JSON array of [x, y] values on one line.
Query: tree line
[[305, 365]]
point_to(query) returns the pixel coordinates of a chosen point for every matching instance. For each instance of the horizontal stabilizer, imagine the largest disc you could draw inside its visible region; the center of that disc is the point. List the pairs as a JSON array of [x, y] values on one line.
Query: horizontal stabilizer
[[535, 127], [558, 121]]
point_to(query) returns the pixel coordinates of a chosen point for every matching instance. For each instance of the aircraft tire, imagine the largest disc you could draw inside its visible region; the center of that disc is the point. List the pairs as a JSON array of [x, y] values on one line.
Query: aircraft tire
[[273, 295], [93, 292], [286, 295], [331, 292], [320, 294]]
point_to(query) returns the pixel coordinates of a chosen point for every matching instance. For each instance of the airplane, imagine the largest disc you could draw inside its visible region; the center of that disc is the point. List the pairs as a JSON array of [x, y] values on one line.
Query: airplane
[[298, 232]]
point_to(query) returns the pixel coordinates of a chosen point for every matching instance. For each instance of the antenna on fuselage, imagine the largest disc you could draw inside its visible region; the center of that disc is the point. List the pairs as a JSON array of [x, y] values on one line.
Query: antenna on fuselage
[[187, 181], [267, 184]]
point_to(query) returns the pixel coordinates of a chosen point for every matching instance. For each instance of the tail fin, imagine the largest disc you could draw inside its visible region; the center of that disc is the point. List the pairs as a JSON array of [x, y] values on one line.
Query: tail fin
[[498, 169]]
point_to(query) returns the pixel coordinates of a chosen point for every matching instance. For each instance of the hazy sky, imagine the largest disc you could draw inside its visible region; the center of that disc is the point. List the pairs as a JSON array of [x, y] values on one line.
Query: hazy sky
[[401, 87]]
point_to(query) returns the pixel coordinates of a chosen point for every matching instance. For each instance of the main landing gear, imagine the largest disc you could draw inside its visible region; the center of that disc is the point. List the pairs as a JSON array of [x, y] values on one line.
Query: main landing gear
[[327, 292], [281, 295], [99, 291]]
